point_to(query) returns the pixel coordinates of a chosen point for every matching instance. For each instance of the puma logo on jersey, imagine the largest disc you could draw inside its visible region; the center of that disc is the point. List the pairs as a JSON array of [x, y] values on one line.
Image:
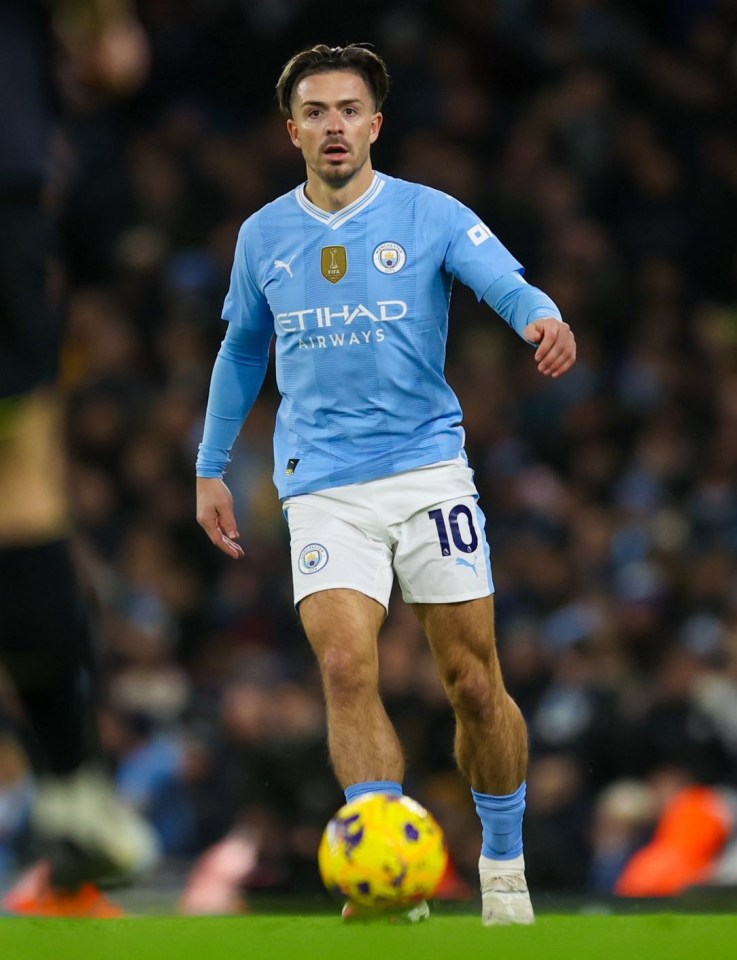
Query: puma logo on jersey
[[285, 265]]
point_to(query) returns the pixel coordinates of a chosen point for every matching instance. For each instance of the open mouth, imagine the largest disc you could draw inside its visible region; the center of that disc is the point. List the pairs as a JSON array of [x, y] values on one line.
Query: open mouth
[[336, 151]]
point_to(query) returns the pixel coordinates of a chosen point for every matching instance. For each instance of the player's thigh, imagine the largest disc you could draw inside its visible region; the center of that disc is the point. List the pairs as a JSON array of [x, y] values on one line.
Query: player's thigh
[[331, 553], [343, 628], [462, 638], [442, 555]]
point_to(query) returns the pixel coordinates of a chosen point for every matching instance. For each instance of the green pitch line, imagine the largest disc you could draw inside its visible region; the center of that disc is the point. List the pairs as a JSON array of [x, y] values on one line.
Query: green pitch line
[[667, 936]]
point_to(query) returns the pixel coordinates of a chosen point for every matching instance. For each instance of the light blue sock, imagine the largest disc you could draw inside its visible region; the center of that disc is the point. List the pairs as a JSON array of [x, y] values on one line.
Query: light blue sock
[[372, 786], [501, 822]]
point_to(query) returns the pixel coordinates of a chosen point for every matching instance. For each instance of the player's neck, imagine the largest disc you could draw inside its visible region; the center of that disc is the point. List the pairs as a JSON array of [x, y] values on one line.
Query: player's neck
[[330, 198]]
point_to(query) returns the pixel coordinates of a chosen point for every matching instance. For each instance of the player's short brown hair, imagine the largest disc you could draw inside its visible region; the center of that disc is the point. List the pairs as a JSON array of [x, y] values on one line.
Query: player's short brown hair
[[322, 59]]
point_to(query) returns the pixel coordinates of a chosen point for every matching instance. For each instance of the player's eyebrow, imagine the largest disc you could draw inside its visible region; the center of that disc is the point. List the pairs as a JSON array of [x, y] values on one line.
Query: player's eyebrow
[[340, 103]]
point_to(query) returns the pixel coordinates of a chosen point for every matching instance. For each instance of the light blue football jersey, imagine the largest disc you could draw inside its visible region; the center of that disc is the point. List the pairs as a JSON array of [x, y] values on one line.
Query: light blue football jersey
[[358, 300]]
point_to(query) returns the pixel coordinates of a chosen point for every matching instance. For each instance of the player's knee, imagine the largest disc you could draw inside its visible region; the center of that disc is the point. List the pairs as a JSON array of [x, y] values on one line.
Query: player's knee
[[345, 674], [470, 694]]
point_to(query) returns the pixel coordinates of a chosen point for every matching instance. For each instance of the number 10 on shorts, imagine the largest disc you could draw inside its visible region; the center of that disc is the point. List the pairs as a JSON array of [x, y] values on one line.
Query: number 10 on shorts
[[462, 530]]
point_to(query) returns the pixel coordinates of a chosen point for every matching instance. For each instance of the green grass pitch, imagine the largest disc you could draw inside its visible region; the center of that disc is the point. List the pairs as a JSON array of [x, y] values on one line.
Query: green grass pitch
[[309, 937]]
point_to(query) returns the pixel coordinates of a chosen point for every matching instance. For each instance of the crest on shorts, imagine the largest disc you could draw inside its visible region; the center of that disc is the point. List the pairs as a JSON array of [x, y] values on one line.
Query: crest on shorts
[[334, 263], [389, 257], [313, 558]]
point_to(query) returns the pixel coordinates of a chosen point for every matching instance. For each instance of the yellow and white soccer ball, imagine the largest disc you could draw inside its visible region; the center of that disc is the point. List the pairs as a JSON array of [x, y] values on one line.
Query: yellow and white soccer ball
[[382, 851]]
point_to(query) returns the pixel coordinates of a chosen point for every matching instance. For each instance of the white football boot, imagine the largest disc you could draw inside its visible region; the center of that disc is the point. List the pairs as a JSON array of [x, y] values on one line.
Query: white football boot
[[505, 899]]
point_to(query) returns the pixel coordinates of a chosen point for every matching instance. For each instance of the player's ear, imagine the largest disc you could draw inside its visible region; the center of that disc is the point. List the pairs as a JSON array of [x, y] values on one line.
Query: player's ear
[[376, 122], [293, 133]]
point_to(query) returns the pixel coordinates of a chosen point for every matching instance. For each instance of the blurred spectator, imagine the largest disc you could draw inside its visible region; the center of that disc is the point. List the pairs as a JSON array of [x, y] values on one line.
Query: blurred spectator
[[151, 776], [17, 793], [623, 819], [692, 832]]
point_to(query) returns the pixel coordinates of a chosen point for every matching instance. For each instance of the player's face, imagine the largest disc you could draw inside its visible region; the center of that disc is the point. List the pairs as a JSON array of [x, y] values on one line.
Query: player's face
[[334, 124]]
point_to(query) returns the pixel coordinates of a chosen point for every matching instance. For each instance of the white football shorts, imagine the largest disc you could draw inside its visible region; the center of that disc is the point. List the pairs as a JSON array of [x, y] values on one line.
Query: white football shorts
[[424, 525]]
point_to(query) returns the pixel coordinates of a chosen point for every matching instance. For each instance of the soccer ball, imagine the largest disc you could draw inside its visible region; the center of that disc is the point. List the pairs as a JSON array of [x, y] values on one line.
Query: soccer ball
[[382, 851]]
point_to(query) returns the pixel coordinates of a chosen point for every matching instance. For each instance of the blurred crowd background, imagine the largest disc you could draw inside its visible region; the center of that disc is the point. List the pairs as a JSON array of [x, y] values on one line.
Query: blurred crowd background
[[598, 139]]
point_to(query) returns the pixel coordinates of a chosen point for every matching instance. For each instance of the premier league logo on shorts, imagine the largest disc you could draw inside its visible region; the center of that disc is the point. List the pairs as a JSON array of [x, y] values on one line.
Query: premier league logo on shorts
[[389, 257], [313, 558]]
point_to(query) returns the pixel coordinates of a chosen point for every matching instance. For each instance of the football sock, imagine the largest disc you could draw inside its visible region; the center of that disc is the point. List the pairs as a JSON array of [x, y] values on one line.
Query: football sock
[[372, 786], [501, 823]]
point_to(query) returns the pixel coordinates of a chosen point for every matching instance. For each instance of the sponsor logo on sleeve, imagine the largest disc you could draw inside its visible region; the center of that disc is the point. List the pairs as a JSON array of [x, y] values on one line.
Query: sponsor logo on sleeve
[[479, 234]]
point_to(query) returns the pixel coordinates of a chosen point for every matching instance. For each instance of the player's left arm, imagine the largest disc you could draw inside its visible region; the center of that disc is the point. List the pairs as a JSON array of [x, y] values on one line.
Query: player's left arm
[[480, 260], [537, 319]]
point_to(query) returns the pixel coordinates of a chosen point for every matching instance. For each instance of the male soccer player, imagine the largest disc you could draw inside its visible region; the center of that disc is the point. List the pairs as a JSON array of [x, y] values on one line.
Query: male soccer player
[[44, 634], [352, 272]]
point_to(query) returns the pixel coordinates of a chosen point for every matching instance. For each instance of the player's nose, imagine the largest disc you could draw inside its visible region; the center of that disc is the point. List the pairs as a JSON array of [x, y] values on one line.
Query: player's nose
[[334, 121]]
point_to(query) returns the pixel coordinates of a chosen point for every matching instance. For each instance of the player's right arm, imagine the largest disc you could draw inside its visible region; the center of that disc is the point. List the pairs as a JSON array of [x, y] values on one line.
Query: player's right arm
[[237, 377]]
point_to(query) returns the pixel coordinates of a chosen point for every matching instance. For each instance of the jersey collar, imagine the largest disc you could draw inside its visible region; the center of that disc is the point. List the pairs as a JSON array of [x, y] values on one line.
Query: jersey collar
[[337, 218]]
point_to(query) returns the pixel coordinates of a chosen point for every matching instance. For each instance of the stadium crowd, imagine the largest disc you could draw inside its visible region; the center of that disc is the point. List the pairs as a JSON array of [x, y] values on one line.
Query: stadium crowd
[[597, 138]]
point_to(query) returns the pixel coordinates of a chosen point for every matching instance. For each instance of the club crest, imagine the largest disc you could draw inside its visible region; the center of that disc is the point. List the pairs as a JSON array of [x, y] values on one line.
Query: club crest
[[389, 257], [313, 558]]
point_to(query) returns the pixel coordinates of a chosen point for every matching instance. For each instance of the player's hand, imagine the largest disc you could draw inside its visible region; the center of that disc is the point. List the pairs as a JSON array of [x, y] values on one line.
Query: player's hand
[[556, 352], [215, 515]]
